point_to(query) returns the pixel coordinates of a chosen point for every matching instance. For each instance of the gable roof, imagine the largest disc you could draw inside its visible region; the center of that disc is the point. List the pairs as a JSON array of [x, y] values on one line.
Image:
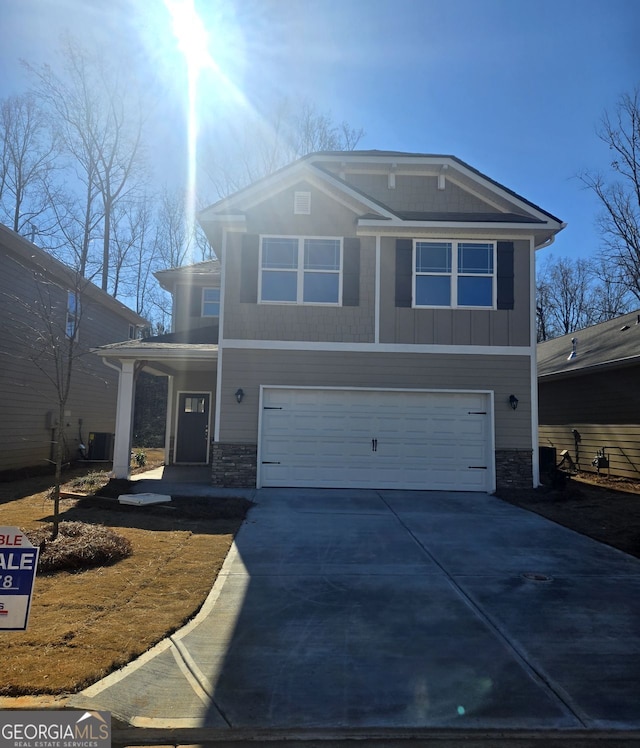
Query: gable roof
[[36, 259], [614, 343], [327, 169]]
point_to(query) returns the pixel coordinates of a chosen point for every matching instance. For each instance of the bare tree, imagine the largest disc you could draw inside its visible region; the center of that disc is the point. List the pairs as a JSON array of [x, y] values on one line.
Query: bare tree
[[565, 296], [259, 144], [180, 241], [99, 117], [28, 156], [46, 329], [619, 193]]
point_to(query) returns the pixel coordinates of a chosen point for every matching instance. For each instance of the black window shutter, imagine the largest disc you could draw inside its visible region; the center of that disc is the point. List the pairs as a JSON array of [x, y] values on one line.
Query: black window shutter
[[505, 275], [195, 301], [249, 269], [351, 272], [404, 271]]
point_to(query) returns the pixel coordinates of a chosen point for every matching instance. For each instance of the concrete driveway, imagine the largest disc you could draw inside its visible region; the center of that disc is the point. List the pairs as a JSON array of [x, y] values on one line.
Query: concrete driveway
[[396, 611]]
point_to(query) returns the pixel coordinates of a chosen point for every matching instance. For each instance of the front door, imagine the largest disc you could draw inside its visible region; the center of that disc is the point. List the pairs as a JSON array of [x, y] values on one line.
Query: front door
[[193, 427]]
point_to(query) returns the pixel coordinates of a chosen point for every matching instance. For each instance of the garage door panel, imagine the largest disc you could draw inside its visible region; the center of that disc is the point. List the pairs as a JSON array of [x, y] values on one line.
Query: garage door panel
[[367, 438]]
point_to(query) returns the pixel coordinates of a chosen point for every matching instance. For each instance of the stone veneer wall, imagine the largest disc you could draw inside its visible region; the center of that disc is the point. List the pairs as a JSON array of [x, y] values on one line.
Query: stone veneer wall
[[514, 468], [234, 465]]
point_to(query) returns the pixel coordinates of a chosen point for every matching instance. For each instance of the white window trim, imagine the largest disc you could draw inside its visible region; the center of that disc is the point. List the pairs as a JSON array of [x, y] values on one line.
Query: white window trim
[[454, 275], [301, 271], [202, 302]]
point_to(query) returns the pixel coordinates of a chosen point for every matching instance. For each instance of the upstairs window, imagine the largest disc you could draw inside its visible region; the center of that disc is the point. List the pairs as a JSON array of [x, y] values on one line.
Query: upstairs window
[[300, 270], [210, 302], [454, 274], [73, 315]]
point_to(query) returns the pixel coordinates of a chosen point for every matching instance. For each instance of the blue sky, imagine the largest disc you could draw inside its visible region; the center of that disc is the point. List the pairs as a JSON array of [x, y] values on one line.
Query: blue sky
[[514, 88]]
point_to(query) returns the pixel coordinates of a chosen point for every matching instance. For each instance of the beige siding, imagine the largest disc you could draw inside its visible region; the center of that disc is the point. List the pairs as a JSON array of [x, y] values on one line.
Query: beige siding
[[27, 394], [455, 326], [249, 369], [419, 193], [604, 408], [621, 443]]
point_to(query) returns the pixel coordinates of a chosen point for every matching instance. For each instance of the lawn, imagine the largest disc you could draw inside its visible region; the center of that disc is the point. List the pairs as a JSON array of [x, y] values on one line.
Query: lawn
[[85, 624]]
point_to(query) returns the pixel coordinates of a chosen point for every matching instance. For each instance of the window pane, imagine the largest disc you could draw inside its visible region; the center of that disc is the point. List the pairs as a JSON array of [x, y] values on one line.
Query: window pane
[[211, 302], [433, 257], [279, 285], [280, 253], [321, 254], [433, 290], [194, 405], [321, 288], [475, 291], [475, 258]]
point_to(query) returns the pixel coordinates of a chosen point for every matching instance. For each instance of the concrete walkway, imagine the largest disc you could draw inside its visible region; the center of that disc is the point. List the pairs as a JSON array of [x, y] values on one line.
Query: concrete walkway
[[392, 612]]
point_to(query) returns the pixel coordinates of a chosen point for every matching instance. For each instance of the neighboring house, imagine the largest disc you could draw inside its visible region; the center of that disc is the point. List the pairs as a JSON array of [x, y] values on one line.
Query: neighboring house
[[589, 397], [40, 298], [376, 317]]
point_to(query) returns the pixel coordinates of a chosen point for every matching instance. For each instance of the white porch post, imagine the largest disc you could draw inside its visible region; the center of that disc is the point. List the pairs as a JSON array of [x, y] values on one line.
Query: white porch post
[[124, 421]]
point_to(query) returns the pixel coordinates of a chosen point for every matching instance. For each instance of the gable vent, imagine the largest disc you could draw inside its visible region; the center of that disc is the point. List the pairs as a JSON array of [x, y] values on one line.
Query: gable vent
[[302, 203]]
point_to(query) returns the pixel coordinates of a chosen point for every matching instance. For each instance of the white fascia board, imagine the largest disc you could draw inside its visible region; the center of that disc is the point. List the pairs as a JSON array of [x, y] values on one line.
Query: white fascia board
[[158, 354], [318, 178], [449, 225], [298, 345]]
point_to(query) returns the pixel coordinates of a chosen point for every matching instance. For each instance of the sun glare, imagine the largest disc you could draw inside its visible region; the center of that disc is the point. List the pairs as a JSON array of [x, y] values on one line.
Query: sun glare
[[193, 42]]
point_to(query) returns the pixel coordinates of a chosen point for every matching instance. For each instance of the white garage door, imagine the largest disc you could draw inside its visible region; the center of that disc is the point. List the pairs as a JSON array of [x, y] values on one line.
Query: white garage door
[[376, 439]]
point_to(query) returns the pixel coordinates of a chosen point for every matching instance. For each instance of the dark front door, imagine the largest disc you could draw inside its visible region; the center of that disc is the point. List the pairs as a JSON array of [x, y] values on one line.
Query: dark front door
[[193, 427]]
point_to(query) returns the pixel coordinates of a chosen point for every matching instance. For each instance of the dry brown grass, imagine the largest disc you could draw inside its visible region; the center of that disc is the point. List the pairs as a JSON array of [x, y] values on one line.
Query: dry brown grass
[[85, 624]]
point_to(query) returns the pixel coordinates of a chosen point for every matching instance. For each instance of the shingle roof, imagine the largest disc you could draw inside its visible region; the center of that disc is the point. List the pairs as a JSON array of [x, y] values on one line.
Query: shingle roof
[[615, 342]]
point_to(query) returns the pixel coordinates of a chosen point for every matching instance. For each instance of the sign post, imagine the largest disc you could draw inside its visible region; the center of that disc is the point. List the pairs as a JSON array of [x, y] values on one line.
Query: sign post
[[18, 565]]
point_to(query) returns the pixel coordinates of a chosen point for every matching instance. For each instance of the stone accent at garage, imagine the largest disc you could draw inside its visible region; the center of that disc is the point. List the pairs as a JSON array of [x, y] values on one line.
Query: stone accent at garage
[[234, 465], [514, 468]]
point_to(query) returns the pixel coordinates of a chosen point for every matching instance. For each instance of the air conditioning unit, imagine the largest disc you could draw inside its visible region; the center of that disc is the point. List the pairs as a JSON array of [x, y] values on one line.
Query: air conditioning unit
[[100, 446]]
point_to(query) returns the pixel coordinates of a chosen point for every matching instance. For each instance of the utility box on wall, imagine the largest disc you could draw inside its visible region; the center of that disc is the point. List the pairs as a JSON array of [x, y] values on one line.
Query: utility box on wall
[[100, 446]]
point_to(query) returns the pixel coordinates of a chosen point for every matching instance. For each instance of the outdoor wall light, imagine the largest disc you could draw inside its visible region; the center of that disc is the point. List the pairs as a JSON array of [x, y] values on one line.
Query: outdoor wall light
[[239, 394], [513, 401]]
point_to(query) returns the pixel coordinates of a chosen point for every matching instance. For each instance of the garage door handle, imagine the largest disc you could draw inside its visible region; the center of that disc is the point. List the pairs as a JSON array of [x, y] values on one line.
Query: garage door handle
[[477, 467], [477, 413], [374, 445], [272, 462]]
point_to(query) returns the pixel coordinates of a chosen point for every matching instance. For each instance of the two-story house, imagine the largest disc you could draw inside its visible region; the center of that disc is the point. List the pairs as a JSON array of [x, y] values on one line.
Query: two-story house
[[376, 328], [43, 303]]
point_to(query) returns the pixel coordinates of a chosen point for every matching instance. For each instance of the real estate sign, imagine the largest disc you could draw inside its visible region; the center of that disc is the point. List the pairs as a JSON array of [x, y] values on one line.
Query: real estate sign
[[18, 564]]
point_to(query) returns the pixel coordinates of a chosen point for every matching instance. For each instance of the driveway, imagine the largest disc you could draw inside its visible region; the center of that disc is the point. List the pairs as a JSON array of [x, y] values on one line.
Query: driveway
[[396, 611]]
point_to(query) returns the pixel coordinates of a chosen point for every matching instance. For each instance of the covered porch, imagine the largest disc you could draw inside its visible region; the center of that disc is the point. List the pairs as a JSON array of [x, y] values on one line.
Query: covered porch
[[191, 370]]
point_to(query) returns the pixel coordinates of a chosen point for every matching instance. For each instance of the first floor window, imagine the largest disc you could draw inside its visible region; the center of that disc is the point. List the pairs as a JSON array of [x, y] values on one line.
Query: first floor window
[[300, 270], [454, 274]]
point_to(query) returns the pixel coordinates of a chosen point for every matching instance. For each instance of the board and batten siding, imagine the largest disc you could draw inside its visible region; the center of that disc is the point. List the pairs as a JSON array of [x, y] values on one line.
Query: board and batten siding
[[250, 368], [317, 323], [455, 326]]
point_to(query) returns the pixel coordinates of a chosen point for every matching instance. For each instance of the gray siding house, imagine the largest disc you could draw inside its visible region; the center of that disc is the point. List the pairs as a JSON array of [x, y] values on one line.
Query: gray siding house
[[589, 399], [376, 329], [38, 292]]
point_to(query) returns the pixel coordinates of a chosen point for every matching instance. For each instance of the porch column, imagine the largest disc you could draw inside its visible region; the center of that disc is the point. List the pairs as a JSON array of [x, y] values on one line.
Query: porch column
[[124, 421]]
